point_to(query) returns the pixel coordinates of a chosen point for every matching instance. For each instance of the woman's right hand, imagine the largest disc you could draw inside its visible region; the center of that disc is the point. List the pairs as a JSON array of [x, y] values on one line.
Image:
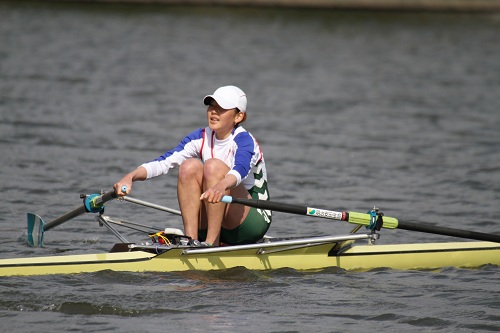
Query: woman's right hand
[[123, 187]]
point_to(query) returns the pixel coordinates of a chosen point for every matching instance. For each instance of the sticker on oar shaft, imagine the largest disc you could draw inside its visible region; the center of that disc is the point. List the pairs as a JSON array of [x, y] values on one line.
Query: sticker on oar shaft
[[327, 214]]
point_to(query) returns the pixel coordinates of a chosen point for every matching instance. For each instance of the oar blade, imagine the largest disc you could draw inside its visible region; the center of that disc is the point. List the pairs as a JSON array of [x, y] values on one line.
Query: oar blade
[[35, 230]]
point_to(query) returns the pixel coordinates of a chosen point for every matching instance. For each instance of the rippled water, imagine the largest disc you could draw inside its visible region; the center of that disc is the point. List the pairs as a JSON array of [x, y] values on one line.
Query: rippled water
[[352, 109]]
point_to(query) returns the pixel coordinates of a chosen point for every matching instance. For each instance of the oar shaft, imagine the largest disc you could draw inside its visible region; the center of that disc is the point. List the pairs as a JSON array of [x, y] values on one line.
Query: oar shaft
[[68, 216], [431, 229], [105, 198], [362, 219], [80, 210], [269, 205], [288, 208]]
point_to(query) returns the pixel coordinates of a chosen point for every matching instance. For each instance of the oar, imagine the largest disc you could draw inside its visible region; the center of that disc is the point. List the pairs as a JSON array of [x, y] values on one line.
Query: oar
[[361, 219], [91, 204]]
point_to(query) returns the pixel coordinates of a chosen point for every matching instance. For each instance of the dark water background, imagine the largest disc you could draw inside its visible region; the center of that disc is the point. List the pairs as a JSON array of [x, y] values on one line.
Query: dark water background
[[352, 109]]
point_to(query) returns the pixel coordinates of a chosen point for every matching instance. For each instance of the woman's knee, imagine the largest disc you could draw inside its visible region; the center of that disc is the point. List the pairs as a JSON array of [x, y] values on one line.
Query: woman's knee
[[190, 169], [214, 168]]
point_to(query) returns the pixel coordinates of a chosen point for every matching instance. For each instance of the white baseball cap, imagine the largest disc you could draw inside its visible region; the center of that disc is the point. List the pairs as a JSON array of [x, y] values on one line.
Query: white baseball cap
[[228, 97]]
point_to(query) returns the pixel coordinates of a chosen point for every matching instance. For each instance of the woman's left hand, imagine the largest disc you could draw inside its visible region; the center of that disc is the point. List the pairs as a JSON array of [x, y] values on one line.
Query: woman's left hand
[[213, 194]]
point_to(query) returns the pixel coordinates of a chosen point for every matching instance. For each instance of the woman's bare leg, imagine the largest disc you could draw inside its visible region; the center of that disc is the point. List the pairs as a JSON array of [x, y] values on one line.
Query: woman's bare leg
[[189, 189], [214, 171], [220, 214]]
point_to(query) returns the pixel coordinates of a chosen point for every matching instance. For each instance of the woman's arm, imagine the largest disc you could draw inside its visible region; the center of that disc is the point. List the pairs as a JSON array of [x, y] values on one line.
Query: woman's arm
[[138, 174]]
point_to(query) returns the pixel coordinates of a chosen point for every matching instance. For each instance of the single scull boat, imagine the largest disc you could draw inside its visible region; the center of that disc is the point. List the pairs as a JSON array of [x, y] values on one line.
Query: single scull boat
[[171, 251]]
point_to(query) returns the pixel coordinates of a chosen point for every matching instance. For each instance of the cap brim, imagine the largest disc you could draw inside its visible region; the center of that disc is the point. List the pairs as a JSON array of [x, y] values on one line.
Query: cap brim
[[207, 99], [223, 103]]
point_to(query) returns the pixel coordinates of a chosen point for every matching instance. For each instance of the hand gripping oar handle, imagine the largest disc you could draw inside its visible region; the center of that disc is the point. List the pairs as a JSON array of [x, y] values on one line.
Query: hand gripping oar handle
[[362, 219]]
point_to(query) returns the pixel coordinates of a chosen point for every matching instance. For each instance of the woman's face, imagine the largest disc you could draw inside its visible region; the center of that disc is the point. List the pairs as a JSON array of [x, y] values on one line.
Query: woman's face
[[222, 121]]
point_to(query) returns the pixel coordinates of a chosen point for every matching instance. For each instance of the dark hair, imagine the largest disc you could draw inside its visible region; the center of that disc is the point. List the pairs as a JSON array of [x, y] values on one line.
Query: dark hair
[[244, 116]]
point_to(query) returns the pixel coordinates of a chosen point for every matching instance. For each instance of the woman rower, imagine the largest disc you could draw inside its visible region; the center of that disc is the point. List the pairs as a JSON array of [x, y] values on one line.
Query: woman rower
[[220, 159]]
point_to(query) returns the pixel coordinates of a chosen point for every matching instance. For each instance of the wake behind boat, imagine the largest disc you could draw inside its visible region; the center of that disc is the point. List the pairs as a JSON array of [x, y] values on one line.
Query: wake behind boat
[[170, 250]]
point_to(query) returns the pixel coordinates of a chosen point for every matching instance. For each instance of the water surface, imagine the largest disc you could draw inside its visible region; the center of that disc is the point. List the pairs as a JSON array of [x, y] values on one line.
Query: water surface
[[352, 110]]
